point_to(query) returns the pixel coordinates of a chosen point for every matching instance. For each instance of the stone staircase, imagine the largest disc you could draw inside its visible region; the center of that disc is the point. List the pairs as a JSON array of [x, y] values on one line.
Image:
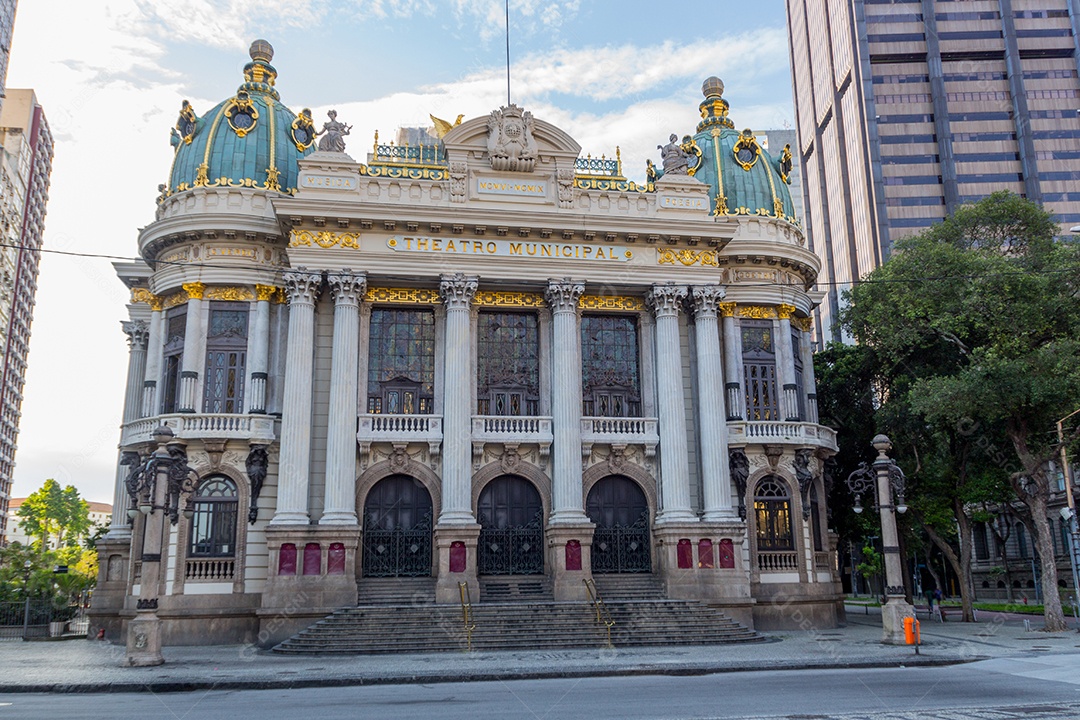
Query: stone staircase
[[515, 626], [395, 591], [629, 587], [512, 588]]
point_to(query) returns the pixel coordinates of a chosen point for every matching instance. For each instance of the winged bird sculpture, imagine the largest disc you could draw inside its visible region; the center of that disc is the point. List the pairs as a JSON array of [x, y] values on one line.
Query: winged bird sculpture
[[442, 126]]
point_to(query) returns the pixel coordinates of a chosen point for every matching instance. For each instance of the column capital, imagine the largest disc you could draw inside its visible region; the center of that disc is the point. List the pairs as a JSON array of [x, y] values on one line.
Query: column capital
[[302, 285], [156, 302], [265, 293], [784, 311], [457, 290], [347, 287], [194, 290], [727, 309], [664, 300], [138, 332], [705, 300], [563, 295]]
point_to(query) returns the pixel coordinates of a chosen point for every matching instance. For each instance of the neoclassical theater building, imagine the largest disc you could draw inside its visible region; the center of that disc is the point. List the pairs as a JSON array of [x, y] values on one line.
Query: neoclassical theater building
[[491, 360]]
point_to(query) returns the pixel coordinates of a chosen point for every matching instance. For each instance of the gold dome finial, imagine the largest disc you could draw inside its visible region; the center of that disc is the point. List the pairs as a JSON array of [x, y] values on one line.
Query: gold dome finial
[[261, 51], [712, 87], [714, 108]]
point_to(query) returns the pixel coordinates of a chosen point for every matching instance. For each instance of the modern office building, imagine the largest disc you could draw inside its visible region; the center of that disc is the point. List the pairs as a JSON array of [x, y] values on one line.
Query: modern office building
[[907, 109], [26, 152], [7, 24], [490, 365]]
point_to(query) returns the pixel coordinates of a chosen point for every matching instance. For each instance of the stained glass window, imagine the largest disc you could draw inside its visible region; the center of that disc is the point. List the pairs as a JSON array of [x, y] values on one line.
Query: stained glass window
[[173, 358], [226, 356], [759, 368], [610, 377], [508, 364], [401, 361], [213, 522], [772, 512]]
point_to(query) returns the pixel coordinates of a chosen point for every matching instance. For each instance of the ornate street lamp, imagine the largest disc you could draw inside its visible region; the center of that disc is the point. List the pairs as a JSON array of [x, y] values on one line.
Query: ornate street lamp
[[886, 479], [158, 487]]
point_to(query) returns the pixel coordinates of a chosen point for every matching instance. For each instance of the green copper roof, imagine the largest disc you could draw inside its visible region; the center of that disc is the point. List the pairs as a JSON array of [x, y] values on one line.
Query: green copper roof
[[249, 140]]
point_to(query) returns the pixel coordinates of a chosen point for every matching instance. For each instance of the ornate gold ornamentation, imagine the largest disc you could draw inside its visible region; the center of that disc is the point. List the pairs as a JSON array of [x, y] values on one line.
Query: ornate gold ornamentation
[[785, 311], [303, 130], [281, 297], [495, 298], [611, 302], [706, 258], [757, 312], [143, 295], [778, 207], [406, 296], [194, 290], [746, 150], [272, 175], [721, 206], [201, 179], [241, 106], [610, 184], [265, 292], [727, 309], [805, 324], [324, 239], [786, 164], [690, 147], [175, 299], [229, 293]]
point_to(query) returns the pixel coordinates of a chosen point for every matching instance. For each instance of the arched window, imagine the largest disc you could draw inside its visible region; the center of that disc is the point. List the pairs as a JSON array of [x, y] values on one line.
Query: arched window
[[213, 525], [772, 510]]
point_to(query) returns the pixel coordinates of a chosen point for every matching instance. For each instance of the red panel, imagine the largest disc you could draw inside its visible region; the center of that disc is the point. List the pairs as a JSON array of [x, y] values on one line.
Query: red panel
[[686, 554], [457, 556], [312, 559], [287, 560], [335, 559], [573, 555], [727, 553], [704, 553]]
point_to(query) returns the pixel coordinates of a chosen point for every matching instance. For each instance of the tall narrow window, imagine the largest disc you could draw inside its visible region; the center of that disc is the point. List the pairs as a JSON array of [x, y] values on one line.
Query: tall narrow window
[[796, 348], [401, 361], [609, 366], [213, 523], [226, 355], [508, 364], [772, 511], [759, 364], [978, 533], [1021, 540], [173, 358], [815, 519]]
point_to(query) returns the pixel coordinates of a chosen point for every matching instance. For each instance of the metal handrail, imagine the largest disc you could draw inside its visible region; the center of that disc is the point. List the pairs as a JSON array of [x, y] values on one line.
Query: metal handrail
[[603, 616], [466, 613]]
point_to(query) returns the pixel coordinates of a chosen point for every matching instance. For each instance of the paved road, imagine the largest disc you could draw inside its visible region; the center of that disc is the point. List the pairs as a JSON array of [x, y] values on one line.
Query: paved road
[[1000, 689]]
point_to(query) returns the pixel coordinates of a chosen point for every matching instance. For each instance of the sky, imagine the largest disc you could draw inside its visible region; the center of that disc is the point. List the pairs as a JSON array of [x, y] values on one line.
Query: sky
[[111, 75]]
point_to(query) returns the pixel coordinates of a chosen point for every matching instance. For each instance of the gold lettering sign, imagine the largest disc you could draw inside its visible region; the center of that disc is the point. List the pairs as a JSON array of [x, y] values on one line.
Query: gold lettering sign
[[509, 248]]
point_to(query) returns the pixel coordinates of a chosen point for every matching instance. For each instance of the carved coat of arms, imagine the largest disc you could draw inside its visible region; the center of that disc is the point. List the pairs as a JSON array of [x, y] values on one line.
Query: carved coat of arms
[[510, 140]]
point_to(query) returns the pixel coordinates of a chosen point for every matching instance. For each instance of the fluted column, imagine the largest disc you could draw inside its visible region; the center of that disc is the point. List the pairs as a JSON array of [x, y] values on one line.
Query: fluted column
[[710, 405], [665, 301], [785, 363], [340, 505], [567, 503], [806, 351], [457, 293], [733, 382], [260, 352], [302, 287], [153, 358], [194, 342], [138, 337]]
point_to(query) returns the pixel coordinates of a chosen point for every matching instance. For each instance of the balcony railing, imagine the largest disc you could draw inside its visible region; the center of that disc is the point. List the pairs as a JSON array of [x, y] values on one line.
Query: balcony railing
[[823, 561], [619, 431], [786, 561], [511, 428], [378, 427], [202, 425], [796, 433], [210, 569]]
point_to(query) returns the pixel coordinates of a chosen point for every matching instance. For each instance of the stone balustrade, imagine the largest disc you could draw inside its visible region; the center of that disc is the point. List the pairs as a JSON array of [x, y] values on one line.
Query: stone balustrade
[[209, 569], [378, 427], [196, 426], [619, 431], [781, 433], [778, 561]]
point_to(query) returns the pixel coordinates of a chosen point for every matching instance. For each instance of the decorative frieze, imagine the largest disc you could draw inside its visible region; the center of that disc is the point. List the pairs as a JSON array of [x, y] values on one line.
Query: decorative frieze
[[619, 303], [687, 257], [497, 298], [325, 239], [403, 296], [241, 294], [756, 312]]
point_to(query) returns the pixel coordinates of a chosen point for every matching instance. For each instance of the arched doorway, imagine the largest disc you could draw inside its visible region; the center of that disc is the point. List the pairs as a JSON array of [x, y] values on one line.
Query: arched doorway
[[511, 528], [397, 528], [621, 539]]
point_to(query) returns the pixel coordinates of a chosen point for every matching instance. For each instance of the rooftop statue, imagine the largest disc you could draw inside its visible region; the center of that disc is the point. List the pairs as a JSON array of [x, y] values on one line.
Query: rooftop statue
[[333, 134], [186, 124], [442, 127], [676, 160]]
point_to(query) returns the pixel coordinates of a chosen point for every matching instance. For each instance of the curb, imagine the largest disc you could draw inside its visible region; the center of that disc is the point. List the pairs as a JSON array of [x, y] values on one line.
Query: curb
[[167, 686]]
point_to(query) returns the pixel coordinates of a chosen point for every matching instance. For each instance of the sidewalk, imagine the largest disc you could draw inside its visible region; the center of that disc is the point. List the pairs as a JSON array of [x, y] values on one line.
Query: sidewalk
[[91, 666]]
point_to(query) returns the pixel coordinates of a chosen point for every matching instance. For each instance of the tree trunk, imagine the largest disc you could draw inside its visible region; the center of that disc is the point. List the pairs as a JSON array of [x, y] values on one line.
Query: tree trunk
[[950, 555], [1054, 616], [934, 574], [967, 583]]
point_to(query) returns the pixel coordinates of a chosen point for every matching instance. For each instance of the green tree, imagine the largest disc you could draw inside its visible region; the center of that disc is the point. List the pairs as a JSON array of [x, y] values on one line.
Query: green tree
[[52, 511], [993, 297]]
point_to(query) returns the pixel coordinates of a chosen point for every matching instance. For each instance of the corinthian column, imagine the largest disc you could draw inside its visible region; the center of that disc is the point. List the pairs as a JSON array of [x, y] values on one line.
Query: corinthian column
[[806, 352], [340, 506], [665, 301], [153, 358], [194, 346], [260, 351], [563, 296], [137, 332], [457, 293], [302, 287], [710, 405], [785, 364], [733, 385]]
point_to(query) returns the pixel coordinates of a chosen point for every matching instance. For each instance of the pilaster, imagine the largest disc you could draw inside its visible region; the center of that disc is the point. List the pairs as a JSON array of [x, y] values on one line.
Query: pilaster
[[785, 363], [194, 344], [733, 383]]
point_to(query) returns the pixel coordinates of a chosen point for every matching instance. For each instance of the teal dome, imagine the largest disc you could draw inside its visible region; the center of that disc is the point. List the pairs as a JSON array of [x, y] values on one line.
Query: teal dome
[[743, 178], [249, 140]]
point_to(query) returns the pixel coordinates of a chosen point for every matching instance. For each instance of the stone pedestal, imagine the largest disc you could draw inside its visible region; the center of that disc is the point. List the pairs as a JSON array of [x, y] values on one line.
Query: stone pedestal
[[568, 585], [114, 561], [446, 584], [705, 580], [893, 613], [144, 641]]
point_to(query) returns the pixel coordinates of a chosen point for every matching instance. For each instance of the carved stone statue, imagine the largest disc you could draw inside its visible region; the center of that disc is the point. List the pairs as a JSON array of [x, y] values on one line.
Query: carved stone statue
[[676, 160], [804, 476], [257, 461], [739, 467], [510, 140], [333, 134]]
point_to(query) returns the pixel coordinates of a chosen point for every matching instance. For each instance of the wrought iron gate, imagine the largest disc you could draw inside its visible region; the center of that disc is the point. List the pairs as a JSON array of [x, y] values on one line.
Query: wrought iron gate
[[622, 548], [515, 550], [401, 552]]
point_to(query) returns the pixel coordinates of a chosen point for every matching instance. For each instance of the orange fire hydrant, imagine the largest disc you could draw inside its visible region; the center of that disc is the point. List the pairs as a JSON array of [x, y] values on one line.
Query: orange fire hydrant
[[911, 631]]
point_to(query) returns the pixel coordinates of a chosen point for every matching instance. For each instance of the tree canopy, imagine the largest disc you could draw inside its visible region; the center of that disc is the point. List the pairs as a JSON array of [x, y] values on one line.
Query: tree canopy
[[55, 512]]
